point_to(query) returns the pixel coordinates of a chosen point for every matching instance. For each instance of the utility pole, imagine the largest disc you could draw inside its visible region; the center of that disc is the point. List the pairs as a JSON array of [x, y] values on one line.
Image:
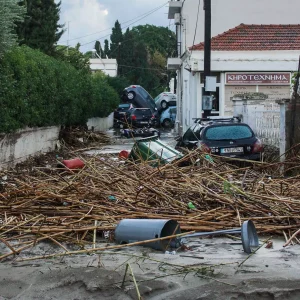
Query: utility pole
[[207, 52], [118, 60]]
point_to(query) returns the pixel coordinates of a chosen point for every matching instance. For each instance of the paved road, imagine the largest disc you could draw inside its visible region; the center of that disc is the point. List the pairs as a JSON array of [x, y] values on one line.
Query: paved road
[[167, 135]]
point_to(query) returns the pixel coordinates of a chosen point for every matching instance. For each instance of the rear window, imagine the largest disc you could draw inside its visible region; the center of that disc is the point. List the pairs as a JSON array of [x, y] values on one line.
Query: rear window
[[228, 132], [141, 112], [126, 105], [123, 106]]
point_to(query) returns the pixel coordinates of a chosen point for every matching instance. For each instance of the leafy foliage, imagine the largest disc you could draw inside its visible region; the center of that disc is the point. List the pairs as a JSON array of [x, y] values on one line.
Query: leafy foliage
[[38, 90], [73, 56], [40, 29], [116, 39], [142, 54], [10, 12], [118, 83]]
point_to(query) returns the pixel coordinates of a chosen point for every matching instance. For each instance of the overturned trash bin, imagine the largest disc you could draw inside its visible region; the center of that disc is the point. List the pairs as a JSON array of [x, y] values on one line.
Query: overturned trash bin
[[154, 151], [135, 230]]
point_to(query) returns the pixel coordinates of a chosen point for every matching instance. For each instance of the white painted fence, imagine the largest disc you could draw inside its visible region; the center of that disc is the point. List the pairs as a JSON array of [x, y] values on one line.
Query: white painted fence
[[101, 124], [262, 116]]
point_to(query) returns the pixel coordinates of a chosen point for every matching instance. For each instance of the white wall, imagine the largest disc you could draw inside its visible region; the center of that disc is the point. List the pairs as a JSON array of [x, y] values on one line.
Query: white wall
[[266, 61], [101, 124], [17, 147], [107, 66]]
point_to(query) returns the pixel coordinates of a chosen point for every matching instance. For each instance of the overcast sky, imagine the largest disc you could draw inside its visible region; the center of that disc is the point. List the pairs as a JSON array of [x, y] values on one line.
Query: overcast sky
[[91, 20]]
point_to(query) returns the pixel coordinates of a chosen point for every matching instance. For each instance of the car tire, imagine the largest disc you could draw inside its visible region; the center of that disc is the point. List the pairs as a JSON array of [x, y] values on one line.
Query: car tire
[[164, 104], [167, 123], [130, 95]]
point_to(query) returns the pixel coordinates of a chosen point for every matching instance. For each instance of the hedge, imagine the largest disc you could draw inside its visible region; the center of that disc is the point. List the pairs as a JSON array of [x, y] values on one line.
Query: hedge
[[38, 90]]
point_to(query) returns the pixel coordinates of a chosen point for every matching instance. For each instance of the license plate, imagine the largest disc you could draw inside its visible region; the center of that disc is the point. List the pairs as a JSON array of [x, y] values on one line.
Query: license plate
[[232, 150], [144, 122]]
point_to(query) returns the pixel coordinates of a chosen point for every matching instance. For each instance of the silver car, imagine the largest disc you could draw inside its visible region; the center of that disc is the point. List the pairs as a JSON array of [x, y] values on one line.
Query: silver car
[[165, 99]]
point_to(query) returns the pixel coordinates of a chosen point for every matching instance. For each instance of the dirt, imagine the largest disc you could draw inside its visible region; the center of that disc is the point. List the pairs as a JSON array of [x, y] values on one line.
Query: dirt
[[207, 269], [210, 271]]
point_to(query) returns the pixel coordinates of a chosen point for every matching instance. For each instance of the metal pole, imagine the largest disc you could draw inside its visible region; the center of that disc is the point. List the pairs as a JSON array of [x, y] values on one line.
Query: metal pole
[[207, 46]]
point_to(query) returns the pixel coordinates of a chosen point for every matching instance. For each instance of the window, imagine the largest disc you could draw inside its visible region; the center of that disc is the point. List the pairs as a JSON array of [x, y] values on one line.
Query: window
[[141, 112], [173, 110], [228, 132]]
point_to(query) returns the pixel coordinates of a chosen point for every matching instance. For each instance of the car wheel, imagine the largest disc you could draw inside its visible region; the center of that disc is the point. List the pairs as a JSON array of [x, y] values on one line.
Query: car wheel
[[167, 123], [164, 104], [130, 95]]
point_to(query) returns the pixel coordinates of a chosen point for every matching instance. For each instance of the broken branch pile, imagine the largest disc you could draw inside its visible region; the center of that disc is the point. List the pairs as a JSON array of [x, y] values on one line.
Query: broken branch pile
[[66, 206]]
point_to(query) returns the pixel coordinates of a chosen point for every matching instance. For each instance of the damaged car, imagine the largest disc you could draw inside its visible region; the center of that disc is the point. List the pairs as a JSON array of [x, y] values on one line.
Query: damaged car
[[224, 136]]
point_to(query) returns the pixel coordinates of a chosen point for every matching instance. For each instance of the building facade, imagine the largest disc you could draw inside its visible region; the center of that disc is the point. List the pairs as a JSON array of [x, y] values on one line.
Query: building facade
[[106, 65], [227, 62]]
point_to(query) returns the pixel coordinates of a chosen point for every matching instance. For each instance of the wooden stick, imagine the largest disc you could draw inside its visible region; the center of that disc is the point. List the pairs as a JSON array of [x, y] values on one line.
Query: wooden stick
[[291, 238], [108, 247]]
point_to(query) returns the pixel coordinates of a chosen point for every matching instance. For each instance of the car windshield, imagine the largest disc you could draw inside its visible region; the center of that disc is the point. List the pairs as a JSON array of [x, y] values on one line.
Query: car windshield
[[228, 132], [157, 98]]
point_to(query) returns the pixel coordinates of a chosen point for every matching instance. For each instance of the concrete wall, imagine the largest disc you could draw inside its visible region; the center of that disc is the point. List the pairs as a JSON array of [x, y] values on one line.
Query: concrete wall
[[101, 124], [17, 147]]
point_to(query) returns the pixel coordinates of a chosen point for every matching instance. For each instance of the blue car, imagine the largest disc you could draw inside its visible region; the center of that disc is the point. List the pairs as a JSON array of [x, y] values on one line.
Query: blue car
[[168, 117]]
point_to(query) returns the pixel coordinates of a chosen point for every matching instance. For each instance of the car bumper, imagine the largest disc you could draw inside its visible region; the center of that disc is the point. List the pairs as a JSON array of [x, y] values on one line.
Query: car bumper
[[255, 156]]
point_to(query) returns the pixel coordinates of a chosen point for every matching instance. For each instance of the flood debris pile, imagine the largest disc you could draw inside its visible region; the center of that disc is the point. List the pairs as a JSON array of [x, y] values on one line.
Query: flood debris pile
[[207, 194], [80, 136]]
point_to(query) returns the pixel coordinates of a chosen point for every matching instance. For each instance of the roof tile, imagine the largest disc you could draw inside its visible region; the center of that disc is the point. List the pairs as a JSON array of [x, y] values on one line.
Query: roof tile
[[256, 38]]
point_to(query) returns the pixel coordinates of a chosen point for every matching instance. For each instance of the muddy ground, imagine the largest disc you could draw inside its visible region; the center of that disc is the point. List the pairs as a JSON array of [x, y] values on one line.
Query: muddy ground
[[207, 268], [211, 271]]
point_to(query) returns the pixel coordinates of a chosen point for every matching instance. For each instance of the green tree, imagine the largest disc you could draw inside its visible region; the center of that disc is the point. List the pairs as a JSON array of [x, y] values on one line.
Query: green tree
[[145, 50], [40, 29], [157, 38], [73, 56], [118, 83], [116, 39], [106, 49], [98, 48], [10, 12]]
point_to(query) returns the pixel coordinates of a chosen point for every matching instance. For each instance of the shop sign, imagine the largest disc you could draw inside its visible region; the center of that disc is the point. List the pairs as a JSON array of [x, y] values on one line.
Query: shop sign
[[258, 78]]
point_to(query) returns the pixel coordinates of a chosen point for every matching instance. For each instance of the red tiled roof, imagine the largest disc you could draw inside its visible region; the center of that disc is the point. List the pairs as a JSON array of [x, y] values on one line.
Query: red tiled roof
[[256, 38]]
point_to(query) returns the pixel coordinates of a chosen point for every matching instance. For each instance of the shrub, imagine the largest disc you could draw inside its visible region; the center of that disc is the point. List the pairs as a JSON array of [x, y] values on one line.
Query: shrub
[[38, 90]]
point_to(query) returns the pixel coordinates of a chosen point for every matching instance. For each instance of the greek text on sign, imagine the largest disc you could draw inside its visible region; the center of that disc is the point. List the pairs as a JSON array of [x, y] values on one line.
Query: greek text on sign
[[258, 78]]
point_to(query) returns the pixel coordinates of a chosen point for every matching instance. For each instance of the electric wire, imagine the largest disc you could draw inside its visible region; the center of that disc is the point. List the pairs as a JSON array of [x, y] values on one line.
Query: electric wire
[[196, 27], [124, 27], [80, 37]]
